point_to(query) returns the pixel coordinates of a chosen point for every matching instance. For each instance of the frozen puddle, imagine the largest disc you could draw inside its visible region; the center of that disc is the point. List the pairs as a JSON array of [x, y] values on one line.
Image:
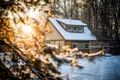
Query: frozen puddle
[[104, 68]]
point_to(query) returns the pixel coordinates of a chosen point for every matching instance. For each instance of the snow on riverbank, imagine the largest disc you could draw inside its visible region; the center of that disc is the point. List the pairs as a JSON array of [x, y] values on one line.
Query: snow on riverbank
[[103, 68]]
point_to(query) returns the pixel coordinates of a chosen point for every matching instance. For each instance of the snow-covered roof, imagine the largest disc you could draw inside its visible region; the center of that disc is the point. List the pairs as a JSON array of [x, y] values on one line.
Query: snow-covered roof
[[71, 22], [86, 35]]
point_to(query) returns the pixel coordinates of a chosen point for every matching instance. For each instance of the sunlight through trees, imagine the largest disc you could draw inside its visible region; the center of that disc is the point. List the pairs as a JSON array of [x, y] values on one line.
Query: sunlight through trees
[[25, 55]]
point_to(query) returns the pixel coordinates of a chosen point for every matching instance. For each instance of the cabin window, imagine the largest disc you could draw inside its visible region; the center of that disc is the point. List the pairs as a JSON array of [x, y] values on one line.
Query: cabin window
[[74, 45], [80, 28], [69, 28], [86, 45], [83, 45], [75, 28]]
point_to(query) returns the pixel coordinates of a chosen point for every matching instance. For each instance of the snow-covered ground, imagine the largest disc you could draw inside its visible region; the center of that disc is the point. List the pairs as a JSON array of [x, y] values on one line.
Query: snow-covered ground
[[103, 68]]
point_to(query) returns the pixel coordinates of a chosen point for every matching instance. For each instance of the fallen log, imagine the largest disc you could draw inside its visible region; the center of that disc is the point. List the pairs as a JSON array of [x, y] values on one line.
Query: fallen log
[[83, 55]]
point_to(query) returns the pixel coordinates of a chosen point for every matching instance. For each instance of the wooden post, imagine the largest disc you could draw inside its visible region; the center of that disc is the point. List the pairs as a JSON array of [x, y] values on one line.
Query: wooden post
[[90, 46]]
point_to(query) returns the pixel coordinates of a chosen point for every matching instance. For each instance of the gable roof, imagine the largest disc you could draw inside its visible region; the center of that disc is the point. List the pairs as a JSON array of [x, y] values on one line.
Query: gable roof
[[86, 35]]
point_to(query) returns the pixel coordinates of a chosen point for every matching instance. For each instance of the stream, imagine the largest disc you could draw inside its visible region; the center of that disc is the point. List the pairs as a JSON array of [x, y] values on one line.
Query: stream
[[102, 68]]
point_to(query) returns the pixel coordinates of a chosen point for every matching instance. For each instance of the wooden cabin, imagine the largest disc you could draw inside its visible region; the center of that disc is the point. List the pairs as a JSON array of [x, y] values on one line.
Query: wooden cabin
[[69, 32]]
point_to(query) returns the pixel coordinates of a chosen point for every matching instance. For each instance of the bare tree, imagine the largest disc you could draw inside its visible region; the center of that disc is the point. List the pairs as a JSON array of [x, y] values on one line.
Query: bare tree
[[66, 9], [103, 18]]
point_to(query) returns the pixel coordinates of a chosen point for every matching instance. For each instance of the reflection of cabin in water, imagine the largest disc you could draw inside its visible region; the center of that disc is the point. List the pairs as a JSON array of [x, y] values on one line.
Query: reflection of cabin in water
[[68, 32]]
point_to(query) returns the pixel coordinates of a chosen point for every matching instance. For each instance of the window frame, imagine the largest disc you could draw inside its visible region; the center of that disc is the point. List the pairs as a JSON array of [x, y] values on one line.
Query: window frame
[[74, 43], [75, 30], [80, 29], [69, 27], [83, 45]]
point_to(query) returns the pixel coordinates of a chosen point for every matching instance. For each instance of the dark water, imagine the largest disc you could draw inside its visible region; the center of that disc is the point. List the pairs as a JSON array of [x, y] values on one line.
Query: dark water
[[102, 68]]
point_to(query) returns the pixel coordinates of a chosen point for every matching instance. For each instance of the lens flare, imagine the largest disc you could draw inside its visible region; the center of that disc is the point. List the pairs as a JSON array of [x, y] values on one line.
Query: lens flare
[[27, 29]]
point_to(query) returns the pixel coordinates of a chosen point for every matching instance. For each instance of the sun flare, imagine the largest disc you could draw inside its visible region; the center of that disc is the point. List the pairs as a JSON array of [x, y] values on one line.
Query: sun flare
[[27, 29]]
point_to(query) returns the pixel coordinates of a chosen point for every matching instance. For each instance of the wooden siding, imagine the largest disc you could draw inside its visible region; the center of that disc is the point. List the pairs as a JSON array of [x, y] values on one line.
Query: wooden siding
[[54, 34], [96, 46]]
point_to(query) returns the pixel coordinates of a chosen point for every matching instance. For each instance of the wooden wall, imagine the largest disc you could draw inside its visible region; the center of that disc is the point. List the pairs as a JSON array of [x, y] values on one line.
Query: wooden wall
[[54, 34]]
